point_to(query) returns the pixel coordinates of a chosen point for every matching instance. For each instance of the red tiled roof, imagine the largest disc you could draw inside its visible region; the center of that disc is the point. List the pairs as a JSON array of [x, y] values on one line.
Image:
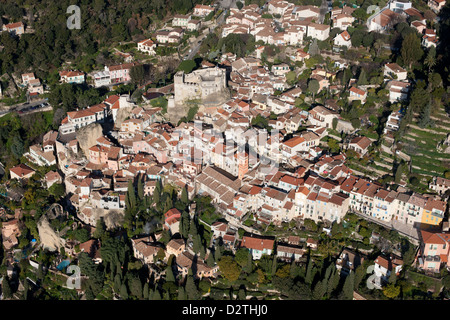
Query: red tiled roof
[[257, 243]]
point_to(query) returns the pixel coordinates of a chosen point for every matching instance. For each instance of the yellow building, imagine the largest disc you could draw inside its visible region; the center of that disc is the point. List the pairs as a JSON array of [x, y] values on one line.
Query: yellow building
[[433, 212]]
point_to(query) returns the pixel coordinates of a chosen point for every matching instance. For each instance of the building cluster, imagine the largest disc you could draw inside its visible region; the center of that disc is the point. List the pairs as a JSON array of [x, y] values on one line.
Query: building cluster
[[288, 25], [399, 10], [246, 152]]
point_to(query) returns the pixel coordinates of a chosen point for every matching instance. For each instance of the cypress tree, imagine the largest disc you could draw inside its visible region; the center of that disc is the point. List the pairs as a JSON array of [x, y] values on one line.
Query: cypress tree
[[333, 282], [320, 289], [347, 289], [184, 196], [117, 283], [309, 272], [181, 293], [210, 260], [131, 195], [169, 274], [274, 265], [6, 287], [124, 291], [145, 291], [140, 189]]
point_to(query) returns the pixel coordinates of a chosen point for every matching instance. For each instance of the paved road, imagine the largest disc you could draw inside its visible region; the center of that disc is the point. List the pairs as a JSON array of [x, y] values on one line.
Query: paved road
[[24, 108], [200, 38]]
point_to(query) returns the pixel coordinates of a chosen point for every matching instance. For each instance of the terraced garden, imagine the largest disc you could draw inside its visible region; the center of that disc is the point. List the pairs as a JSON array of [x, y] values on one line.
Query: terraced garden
[[421, 143]]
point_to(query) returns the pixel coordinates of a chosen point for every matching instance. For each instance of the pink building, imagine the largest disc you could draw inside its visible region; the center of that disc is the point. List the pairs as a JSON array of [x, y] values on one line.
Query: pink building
[[434, 250], [98, 154], [121, 72]]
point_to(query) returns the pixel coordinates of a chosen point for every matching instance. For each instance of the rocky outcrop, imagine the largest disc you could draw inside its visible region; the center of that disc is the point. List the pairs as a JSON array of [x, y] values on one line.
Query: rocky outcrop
[[88, 135], [49, 238], [122, 115]]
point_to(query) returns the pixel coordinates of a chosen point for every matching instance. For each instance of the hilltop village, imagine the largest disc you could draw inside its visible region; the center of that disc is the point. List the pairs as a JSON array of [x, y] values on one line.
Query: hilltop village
[[283, 160]]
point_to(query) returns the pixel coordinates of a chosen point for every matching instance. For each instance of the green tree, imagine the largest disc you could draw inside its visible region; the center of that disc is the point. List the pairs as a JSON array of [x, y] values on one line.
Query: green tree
[[309, 271], [184, 196], [360, 273], [274, 266], [241, 256], [425, 117], [313, 48], [357, 38], [191, 289], [229, 268], [187, 66], [411, 50], [313, 87], [362, 79], [124, 291], [57, 190], [131, 195], [181, 293], [347, 289], [320, 289], [333, 282], [6, 288], [430, 60], [137, 74], [100, 228], [391, 291]]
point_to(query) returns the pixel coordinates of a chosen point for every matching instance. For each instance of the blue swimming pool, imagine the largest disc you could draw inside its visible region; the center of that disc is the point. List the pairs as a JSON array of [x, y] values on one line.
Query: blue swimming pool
[[63, 264]]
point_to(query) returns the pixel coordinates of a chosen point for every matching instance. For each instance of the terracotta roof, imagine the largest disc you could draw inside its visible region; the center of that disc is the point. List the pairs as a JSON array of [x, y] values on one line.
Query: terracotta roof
[[435, 238], [21, 170], [362, 142], [257, 242]]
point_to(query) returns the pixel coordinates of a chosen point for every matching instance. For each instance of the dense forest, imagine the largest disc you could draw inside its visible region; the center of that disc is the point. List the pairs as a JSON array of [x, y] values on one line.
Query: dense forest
[[51, 43]]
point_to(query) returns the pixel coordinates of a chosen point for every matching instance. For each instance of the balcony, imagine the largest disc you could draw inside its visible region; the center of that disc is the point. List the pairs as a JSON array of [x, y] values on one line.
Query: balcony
[[432, 258]]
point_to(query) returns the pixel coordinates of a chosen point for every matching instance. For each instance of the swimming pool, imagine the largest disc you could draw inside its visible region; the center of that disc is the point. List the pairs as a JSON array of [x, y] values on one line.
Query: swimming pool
[[63, 264]]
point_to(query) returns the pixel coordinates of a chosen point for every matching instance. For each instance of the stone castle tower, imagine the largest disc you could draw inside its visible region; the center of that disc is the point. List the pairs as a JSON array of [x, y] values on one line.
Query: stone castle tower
[[206, 85]]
